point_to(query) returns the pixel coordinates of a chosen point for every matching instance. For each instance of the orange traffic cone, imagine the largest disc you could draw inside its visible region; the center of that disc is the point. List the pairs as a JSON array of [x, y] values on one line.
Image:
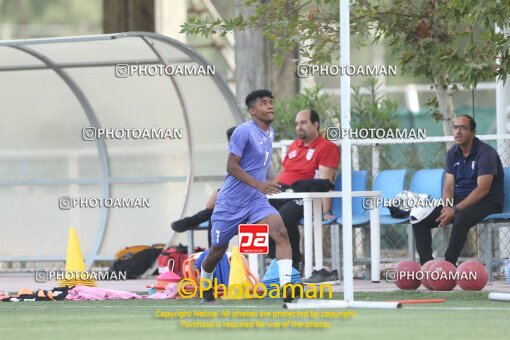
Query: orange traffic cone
[[75, 272]]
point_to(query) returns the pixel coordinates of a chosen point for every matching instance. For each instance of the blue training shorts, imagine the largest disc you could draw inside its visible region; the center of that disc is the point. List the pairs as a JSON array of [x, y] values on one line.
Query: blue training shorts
[[226, 218]]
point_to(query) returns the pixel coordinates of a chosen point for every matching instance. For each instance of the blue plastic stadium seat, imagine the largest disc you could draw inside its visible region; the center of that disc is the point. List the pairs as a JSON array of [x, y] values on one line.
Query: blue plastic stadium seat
[[497, 217], [490, 222], [390, 183], [428, 181], [505, 215], [360, 216]]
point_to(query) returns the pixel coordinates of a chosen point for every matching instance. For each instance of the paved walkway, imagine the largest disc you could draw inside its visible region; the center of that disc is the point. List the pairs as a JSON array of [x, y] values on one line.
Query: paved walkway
[[12, 282]]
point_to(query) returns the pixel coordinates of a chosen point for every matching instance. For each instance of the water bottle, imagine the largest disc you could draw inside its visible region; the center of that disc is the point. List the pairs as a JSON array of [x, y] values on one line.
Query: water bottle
[[506, 264]]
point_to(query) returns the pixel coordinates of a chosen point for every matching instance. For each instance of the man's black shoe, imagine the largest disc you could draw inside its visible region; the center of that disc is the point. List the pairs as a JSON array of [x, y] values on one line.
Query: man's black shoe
[[334, 275], [314, 273], [318, 276], [208, 296]]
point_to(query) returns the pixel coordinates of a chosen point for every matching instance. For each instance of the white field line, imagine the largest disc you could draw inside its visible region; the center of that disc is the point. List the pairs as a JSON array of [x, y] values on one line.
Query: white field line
[[21, 304], [459, 308]]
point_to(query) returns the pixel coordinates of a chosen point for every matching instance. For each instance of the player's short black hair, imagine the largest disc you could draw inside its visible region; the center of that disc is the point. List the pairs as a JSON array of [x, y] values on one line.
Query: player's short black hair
[[314, 117], [230, 132], [472, 123], [251, 99]]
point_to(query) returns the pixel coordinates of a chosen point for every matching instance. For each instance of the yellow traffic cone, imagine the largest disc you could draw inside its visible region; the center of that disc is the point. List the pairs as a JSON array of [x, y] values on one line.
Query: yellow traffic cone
[[75, 272], [237, 277]]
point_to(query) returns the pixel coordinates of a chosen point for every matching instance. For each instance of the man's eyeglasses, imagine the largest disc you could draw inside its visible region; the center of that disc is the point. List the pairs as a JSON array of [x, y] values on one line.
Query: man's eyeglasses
[[460, 127]]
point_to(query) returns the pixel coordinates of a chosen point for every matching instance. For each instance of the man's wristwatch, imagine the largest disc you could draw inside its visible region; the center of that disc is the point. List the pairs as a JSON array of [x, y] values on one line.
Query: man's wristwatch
[[455, 209]]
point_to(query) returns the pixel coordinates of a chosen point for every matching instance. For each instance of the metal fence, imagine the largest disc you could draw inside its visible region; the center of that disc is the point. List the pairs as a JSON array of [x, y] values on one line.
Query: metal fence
[[489, 243]]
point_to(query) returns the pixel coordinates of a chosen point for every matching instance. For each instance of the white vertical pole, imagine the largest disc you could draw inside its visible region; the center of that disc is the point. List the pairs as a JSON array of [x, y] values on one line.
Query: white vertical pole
[[502, 111], [317, 232], [345, 110], [253, 263], [376, 157], [502, 114], [355, 158], [74, 190], [284, 151], [308, 235], [375, 245]]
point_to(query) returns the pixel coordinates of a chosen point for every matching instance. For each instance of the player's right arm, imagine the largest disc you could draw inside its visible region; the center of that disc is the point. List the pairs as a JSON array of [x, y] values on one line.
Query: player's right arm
[[447, 214], [449, 187], [234, 169]]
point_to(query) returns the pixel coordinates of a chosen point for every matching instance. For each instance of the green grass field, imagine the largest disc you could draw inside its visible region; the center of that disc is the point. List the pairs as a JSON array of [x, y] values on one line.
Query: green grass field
[[464, 315]]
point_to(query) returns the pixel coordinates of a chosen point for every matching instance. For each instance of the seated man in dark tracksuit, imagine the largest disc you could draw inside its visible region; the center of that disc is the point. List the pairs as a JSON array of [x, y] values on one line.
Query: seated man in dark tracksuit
[[474, 179]]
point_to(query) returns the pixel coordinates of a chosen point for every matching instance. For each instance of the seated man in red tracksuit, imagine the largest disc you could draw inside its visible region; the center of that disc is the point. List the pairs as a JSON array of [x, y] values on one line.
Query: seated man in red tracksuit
[[305, 156]]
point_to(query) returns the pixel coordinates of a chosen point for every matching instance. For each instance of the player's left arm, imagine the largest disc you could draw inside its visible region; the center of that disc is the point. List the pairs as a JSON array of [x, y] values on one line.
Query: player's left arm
[[326, 172], [328, 164], [483, 185], [234, 169], [236, 146], [487, 169]]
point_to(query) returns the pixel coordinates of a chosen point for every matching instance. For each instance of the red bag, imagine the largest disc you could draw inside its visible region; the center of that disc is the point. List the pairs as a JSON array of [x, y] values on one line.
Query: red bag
[[178, 254]]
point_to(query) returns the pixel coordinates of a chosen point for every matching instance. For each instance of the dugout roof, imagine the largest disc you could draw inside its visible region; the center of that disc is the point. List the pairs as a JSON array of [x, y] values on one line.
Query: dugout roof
[[50, 89]]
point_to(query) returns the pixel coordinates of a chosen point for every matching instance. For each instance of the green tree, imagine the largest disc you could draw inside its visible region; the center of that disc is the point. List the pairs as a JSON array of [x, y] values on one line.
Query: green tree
[[311, 98], [450, 42], [372, 110]]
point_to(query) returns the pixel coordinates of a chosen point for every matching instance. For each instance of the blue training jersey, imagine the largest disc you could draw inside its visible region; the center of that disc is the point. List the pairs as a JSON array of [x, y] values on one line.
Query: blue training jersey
[[255, 148]]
